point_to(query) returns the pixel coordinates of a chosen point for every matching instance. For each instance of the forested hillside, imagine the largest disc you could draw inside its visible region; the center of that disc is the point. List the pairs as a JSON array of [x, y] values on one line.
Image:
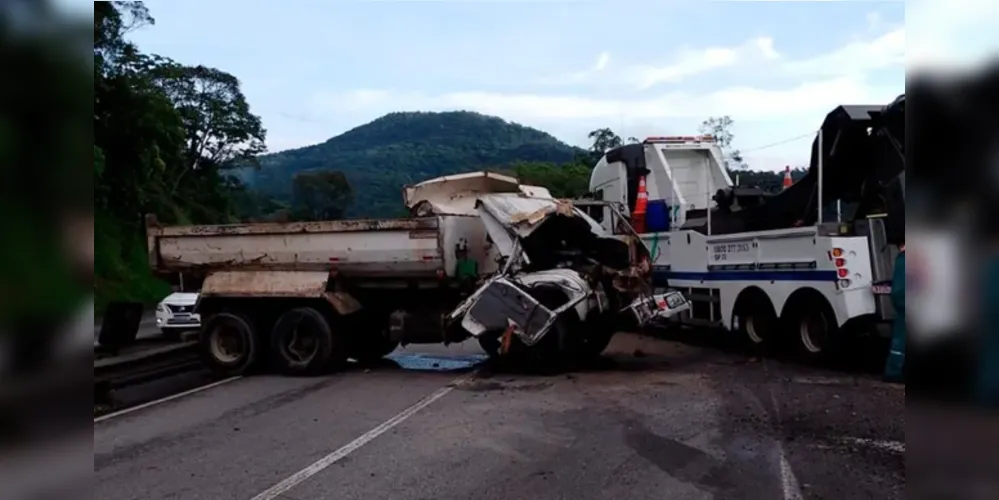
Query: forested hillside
[[360, 172], [378, 158]]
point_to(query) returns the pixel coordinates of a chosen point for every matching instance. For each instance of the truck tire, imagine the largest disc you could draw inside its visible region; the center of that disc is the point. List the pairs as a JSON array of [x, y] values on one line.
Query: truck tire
[[369, 348], [595, 343], [490, 344], [813, 326], [228, 344], [369, 339], [755, 321], [303, 344]]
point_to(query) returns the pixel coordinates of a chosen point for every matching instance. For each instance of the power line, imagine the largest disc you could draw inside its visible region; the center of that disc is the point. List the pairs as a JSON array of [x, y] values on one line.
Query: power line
[[778, 143]]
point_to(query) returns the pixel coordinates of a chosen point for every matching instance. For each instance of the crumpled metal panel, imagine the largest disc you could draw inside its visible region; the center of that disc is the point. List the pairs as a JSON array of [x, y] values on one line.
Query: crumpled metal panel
[[457, 194], [521, 213], [501, 303], [265, 284]]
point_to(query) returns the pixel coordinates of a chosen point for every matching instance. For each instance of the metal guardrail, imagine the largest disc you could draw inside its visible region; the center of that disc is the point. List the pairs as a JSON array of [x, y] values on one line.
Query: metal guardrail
[[122, 360], [145, 365]]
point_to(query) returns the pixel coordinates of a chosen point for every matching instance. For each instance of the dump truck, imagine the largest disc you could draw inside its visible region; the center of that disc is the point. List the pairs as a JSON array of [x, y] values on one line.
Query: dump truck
[[304, 297]]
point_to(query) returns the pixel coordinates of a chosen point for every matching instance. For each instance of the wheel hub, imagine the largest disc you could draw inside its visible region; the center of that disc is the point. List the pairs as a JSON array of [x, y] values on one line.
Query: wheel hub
[[301, 344], [812, 331], [751, 330], [226, 345]]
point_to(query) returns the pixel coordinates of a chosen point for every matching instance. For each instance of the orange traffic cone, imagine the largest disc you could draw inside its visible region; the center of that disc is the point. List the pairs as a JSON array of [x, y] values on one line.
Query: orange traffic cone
[[641, 207], [787, 177]]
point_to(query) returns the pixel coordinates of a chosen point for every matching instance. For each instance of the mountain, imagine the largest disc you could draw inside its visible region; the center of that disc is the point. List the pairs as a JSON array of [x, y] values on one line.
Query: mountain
[[380, 157]]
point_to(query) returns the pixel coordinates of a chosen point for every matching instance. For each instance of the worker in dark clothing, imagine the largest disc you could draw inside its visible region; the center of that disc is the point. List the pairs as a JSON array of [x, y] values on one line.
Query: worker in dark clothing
[[895, 366]]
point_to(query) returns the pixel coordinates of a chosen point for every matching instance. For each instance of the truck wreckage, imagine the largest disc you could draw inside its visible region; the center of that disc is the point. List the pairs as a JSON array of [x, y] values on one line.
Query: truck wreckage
[[482, 256], [565, 286]]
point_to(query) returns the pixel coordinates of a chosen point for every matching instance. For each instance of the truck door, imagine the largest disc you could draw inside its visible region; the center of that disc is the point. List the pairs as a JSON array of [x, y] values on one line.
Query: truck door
[[608, 182]]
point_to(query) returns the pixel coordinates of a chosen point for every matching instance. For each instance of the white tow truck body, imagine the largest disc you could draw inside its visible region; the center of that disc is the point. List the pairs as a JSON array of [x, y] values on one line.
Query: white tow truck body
[[785, 269]]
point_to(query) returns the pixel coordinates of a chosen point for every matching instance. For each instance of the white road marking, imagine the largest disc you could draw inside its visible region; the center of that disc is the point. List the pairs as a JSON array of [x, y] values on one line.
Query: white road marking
[[788, 481], [892, 446], [789, 484], [318, 466], [179, 395]]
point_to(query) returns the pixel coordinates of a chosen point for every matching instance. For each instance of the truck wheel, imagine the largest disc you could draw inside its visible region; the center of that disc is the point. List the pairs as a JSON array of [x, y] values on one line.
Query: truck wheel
[[302, 342], [369, 339], [595, 343], [372, 350], [369, 348], [816, 331], [228, 344], [755, 322], [490, 344]]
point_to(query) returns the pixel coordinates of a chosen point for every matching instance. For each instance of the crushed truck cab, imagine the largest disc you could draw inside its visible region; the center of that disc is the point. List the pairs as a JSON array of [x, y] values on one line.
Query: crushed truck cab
[[566, 285]]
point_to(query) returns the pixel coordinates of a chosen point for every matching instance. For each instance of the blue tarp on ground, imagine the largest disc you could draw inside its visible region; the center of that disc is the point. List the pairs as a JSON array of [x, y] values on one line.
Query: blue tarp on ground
[[437, 363]]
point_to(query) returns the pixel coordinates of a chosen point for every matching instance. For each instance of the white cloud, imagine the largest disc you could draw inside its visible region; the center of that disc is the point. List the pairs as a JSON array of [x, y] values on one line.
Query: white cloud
[[690, 62], [950, 34], [855, 58], [603, 60], [874, 21], [744, 103]]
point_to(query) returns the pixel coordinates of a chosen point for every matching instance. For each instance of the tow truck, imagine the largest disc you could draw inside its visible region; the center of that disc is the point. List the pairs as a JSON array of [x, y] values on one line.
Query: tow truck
[[806, 267]]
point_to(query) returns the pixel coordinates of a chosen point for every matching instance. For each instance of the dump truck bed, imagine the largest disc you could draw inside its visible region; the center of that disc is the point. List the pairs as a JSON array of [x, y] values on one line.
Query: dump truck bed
[[396, 248]]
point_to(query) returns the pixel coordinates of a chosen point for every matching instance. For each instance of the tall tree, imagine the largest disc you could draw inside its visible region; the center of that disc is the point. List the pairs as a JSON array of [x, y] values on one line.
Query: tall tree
[[569, 180], [604, 139], [721, 128], [221, 131]]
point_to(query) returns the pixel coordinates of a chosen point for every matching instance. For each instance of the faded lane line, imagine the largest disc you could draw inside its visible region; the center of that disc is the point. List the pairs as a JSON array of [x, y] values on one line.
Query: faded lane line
[[892, 446], [790, 486], [318, 466], [788, 481], [179, 395]]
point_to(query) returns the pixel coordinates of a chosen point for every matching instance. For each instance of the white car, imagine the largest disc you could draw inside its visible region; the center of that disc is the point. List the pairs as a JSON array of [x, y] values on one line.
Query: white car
[[175, 313]]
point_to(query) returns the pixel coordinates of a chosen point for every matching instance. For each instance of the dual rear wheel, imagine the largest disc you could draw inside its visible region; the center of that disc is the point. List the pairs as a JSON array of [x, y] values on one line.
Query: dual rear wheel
[[302, 341], [807, 326]]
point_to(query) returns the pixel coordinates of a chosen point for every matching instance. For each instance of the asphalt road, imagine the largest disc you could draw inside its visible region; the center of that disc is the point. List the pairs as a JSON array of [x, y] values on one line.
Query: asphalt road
[[657, 420]]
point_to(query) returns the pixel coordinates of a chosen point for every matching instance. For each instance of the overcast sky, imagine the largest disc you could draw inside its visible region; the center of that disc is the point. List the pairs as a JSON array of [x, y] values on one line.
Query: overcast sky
[[316, 68]]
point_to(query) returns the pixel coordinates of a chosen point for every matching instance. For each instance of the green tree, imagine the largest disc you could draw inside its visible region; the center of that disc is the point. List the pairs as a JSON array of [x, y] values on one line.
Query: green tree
[[720, 128], [604, 139], [219, 127], [322, 195], [568, 180]]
